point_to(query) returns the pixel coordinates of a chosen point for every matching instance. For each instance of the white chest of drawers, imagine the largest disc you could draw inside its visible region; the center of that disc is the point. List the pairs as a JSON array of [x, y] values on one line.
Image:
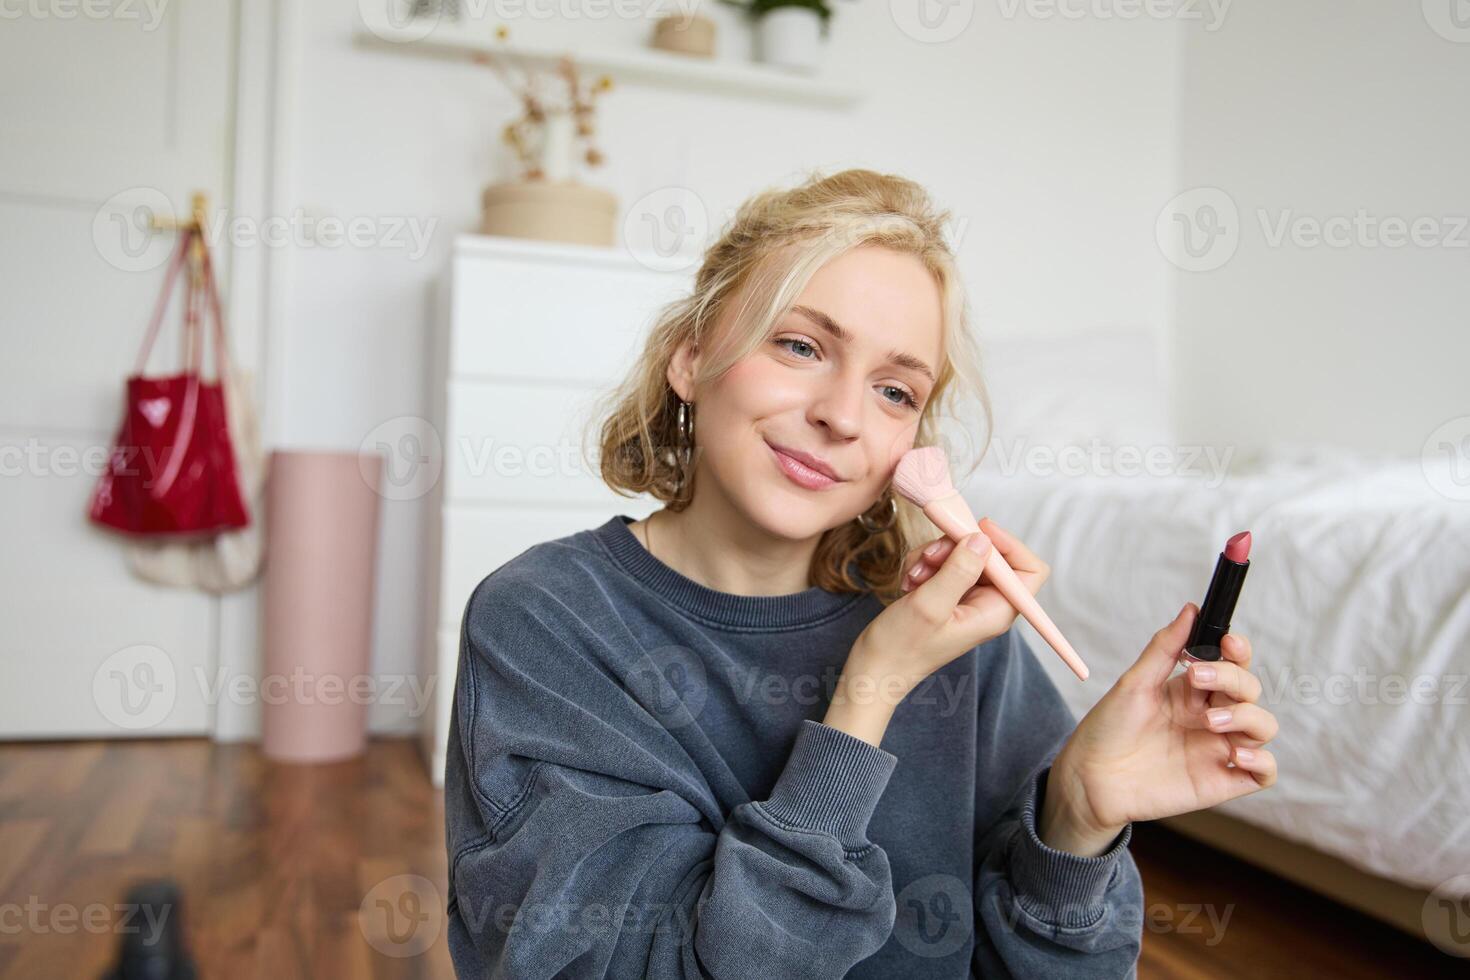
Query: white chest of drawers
[[526, 335]]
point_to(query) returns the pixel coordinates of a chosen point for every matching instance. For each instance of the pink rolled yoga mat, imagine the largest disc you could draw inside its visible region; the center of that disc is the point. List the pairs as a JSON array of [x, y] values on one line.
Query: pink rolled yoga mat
[[321, 513]]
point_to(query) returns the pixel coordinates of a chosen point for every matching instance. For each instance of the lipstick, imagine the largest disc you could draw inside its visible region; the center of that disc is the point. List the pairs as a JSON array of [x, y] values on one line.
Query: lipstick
[[1213, 621]]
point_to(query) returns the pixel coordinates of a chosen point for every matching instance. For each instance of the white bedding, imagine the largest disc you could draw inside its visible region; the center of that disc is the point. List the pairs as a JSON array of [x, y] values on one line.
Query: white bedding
[[1358, 608]]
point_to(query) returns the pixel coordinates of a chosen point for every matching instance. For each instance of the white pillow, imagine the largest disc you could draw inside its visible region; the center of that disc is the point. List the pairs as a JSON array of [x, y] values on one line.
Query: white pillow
[[1102, 386]]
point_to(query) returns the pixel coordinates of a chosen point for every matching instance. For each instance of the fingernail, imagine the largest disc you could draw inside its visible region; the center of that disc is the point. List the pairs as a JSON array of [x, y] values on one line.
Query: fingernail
[[1245, 755], [933, 549], [978, 542], [1183, 611], [1204, 672], [1218, 717]]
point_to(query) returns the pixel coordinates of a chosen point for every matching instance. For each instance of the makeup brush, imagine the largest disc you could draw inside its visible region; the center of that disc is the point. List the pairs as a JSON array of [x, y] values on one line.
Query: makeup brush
[[923, 477]]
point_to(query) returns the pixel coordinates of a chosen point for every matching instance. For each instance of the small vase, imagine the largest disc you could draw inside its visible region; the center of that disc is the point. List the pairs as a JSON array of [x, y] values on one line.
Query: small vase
[[558, 145], [790, 37]]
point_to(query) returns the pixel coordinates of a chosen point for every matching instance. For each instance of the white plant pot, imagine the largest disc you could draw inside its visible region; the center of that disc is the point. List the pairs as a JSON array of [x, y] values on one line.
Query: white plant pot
[[790, 37]]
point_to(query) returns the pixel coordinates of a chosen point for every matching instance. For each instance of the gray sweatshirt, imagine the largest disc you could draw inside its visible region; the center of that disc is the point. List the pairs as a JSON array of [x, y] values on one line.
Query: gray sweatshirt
[[639, 784]]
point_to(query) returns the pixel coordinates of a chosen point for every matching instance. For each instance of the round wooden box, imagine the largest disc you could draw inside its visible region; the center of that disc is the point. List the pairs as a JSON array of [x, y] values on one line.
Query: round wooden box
[[556, 211], [685, 35]]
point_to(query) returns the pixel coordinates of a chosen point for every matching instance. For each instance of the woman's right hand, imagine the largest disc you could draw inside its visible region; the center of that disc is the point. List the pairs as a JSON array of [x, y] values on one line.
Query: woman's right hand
[[946, 612], [940, 618]]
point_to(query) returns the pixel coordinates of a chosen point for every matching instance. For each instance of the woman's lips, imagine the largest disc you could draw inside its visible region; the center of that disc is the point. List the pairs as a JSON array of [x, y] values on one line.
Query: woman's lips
[[801, 474]]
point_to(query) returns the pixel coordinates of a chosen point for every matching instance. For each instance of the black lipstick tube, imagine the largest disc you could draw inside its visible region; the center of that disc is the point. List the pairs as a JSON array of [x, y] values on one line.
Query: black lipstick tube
[[1213, 621]]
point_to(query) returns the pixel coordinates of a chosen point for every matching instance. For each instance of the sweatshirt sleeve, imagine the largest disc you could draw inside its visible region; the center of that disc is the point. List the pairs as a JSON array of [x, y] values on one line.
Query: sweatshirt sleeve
[[583, 842], [1041, 911]]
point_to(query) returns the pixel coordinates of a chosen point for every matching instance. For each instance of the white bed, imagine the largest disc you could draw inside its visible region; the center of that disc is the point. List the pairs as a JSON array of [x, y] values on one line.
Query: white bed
[[1357, 602]]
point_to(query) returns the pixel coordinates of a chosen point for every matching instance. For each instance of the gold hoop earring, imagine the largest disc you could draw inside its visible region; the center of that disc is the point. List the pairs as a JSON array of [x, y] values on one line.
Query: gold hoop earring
[[871, 528]]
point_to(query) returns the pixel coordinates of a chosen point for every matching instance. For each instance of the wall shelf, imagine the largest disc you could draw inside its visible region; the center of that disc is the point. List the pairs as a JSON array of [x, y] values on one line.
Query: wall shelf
[[666, 69]]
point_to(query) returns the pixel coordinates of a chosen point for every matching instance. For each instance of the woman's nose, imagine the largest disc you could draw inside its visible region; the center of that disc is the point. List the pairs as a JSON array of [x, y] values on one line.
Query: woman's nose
[[838, 405]]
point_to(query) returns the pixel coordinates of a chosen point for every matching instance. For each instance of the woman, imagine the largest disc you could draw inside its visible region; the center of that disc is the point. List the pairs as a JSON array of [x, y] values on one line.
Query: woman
[[775, 730]]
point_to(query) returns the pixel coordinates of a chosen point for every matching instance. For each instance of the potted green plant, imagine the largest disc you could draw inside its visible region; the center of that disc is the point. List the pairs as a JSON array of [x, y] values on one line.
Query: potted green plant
[[788, 33]]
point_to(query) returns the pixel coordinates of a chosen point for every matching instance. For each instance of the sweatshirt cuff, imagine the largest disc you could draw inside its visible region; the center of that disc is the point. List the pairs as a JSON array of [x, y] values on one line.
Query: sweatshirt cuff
[[832, 782], [1058, 887]]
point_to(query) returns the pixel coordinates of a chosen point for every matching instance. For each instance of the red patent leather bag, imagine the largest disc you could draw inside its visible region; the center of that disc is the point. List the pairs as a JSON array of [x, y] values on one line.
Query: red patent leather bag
[[172, 467]]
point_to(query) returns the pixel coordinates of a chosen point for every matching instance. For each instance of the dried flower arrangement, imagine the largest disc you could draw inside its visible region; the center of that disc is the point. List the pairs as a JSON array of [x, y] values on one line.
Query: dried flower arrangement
[[526, 135]]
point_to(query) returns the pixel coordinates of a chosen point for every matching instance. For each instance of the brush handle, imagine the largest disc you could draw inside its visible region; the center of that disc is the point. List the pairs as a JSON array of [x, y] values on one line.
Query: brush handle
[[953, 516]]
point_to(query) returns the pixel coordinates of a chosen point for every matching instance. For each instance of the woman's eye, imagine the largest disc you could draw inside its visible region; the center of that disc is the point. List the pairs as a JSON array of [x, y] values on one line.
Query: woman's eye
[[799, 343], [905, 399]]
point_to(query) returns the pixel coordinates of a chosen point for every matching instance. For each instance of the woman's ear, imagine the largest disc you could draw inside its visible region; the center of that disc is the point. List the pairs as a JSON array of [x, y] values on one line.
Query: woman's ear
[[683, 368]]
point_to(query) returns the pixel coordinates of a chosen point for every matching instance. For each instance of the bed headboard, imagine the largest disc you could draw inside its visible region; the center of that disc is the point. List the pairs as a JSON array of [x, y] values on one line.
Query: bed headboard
[[1108, 384]]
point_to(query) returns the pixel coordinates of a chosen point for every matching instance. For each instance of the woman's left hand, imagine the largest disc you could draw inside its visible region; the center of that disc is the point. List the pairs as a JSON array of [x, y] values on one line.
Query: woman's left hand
[[1157, 745]]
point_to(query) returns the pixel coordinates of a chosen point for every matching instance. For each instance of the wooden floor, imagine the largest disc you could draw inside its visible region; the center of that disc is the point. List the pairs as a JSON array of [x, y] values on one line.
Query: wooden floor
[[312, 872], [1209, 915], [275, 861]]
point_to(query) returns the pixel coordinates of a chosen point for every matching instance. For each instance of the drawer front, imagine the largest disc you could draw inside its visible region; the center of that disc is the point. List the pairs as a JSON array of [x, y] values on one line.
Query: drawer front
[[518, 443], [553, 322]]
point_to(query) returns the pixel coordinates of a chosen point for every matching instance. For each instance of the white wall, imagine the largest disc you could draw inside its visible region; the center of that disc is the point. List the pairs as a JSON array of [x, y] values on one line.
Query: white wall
[[1049, 138], [1315, 109]]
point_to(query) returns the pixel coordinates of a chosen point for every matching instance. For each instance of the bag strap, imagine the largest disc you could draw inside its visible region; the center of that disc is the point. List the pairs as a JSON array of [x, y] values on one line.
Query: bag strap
[[211, 291], [175, 264], [192, 357], [189, 411]]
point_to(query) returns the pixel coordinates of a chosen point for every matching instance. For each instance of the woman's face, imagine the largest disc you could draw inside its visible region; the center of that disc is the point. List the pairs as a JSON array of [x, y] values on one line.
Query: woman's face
[[842, 377]]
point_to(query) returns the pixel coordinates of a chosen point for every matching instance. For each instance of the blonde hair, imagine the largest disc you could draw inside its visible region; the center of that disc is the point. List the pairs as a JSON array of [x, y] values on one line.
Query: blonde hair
[[773, 244]]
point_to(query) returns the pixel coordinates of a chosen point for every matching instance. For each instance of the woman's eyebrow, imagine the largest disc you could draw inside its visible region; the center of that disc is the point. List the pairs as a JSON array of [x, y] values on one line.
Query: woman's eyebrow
[[835, 329]]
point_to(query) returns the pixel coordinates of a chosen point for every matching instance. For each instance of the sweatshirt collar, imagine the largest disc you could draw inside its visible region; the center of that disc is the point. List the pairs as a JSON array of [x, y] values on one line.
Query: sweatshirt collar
[[744, 612]]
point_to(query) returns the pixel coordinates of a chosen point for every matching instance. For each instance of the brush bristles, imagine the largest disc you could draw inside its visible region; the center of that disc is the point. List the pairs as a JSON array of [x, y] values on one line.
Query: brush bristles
[[923, 475]]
